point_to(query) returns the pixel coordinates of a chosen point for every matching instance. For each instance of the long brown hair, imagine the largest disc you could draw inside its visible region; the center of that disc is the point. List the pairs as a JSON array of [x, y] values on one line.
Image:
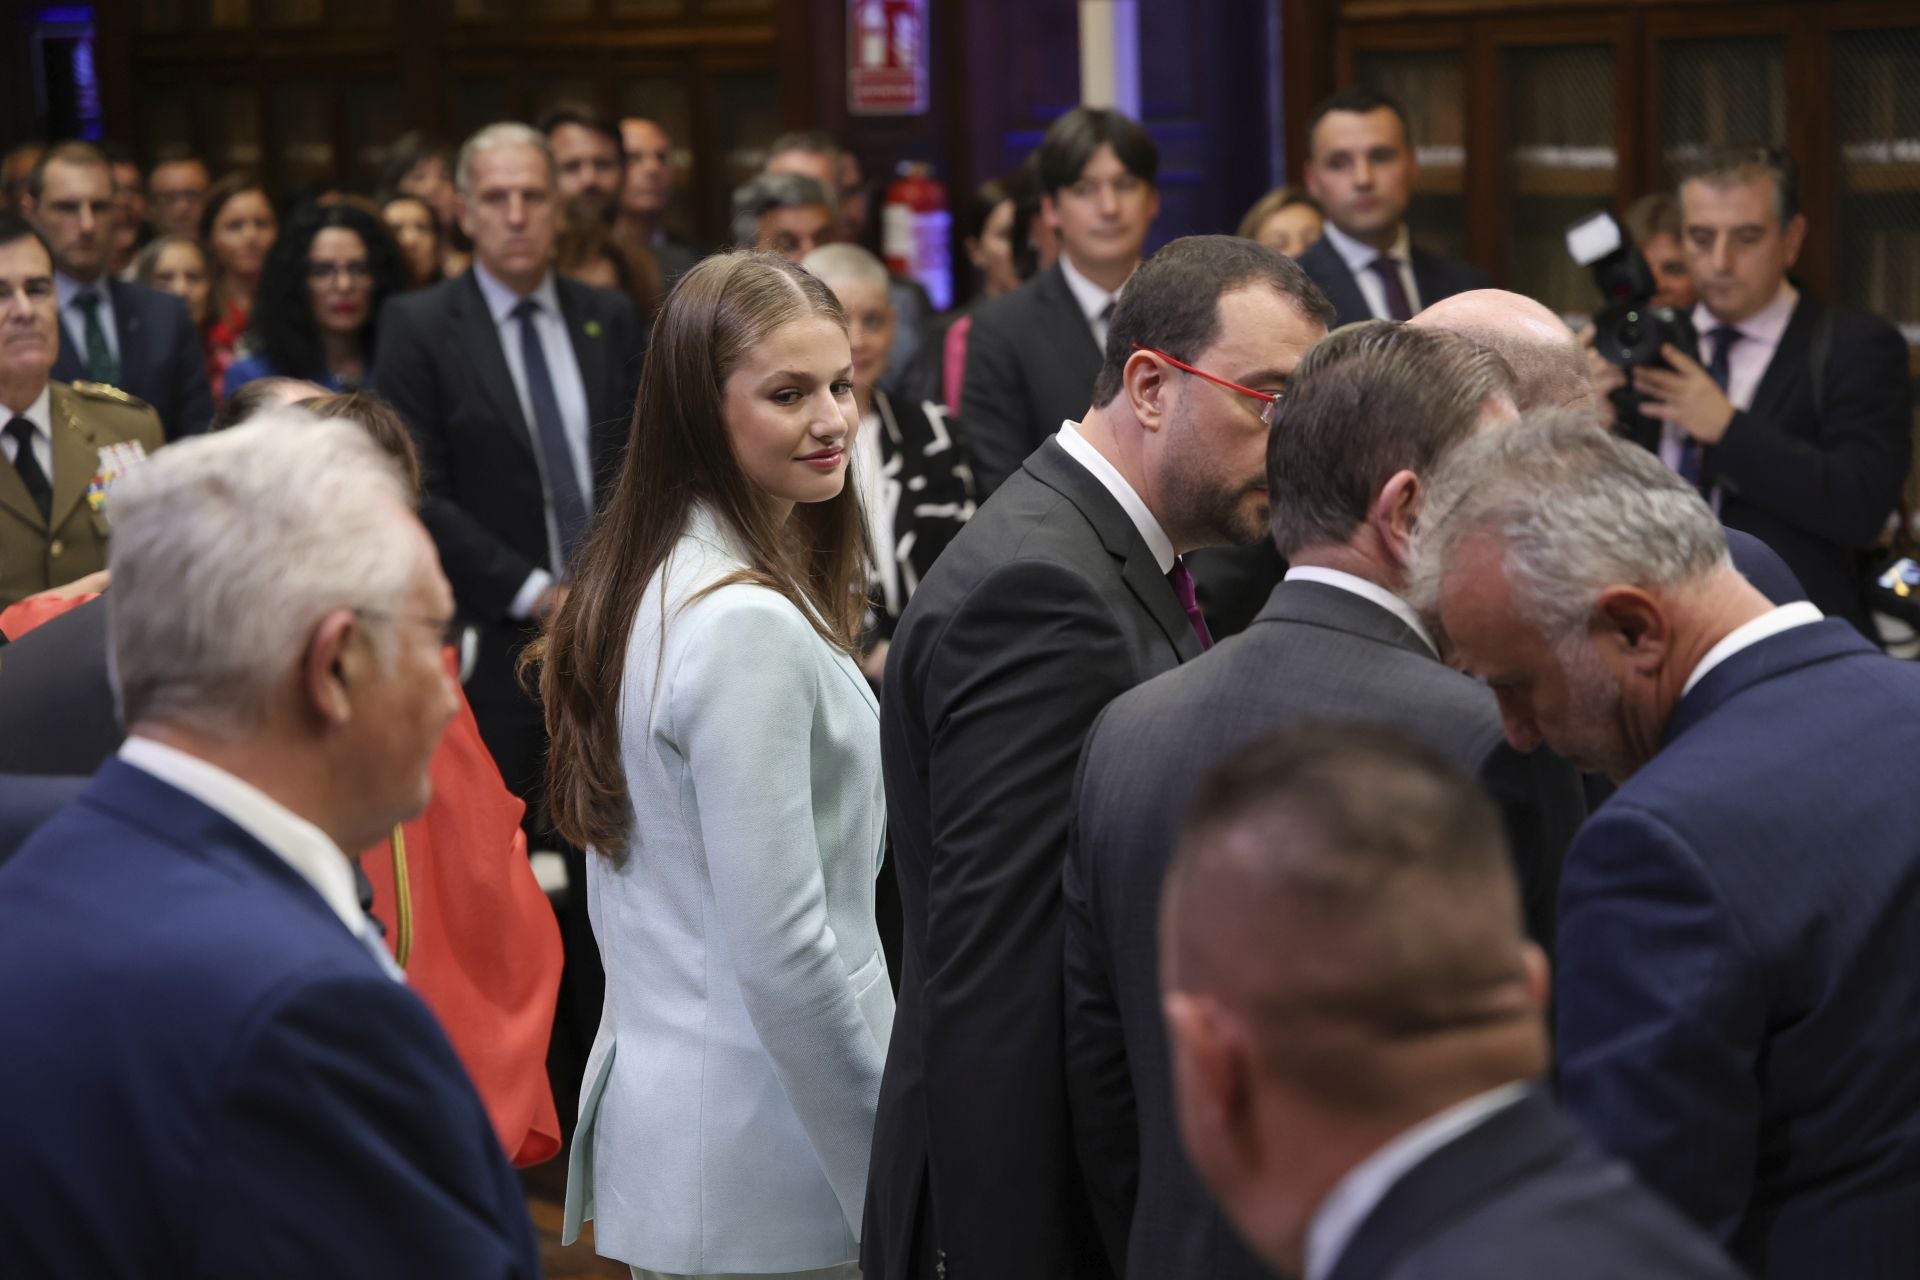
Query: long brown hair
[[679, 454]]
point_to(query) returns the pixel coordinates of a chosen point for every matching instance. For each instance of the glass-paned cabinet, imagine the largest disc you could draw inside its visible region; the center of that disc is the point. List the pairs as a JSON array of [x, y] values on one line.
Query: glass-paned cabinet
[[1561, 164], [1876, 125]]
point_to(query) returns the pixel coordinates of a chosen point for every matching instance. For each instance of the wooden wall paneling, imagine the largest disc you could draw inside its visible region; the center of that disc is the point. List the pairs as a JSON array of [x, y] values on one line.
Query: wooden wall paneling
[[1308, 72], [1810, 137]]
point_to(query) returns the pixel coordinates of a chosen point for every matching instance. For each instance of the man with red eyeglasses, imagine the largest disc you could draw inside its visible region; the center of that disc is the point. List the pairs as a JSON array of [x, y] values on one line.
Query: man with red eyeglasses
[[1062, 593]]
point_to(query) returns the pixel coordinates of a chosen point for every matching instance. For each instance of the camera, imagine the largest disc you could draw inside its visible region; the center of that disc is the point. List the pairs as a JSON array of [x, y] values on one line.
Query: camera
[[1628, 329]]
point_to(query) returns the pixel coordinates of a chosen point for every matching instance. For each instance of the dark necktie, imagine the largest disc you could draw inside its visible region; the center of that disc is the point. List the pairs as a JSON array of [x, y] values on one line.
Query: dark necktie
[[1388, 270], [39, 488], [101, 366], [1719, 368], [563, 481], [1182, 583]]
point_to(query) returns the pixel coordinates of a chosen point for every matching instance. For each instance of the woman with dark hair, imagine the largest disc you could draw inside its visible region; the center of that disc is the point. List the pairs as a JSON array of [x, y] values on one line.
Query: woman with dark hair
[[416, 233], [238, 227], [716, 747], [319, 298]]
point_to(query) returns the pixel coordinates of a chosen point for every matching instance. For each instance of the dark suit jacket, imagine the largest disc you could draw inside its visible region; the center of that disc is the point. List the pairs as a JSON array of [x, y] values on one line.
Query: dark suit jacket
[[1315, 652], [441, 364], [57, 714], [1739, 965], [1817, 486], [161, 359], [1522, 1195], [27, 800], [220, 1080], [1434, 276], [1047, 605], [1031, 364]]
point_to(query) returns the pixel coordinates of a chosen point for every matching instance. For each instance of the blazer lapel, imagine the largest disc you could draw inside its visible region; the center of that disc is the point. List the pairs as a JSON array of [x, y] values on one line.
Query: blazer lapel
[[606, 421], [1426, 278], [1329, 270], [1776, 655], [477, 349], [13, 497], [1789, 357], [66, 365], [1054, 467], [1067, 313], [1512, 1143], [127, 325], [76, 458]]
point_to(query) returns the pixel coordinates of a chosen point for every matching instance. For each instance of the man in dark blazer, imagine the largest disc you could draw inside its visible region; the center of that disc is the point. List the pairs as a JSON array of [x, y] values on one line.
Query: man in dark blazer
[[1796, 421], [1361, 168], [1368, 412], [1739, 948], [113, 332], [226, 1074], [27, 800], [1033, 354], [56, 704], [1356, 1029], [514, 452], [1065, 590]]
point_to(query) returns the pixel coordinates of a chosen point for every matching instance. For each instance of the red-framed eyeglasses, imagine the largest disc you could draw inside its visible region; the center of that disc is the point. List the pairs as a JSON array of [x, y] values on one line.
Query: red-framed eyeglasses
[[1269, 404]]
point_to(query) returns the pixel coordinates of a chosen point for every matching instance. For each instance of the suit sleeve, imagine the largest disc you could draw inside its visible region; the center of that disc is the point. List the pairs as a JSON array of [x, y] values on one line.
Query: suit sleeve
[[1660, 1016], [997, 421], [1841, 485], [350, 1143], [1022, 690], [1100, 1093], [187, 367], [1541, 806], [744, 702], [485, 572]]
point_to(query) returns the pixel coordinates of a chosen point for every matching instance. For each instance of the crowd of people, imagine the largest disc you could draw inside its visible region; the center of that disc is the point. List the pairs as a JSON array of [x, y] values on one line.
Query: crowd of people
[[1268, 757]]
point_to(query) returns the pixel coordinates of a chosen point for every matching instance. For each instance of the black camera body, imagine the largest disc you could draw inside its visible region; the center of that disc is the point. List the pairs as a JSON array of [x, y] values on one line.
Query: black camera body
[[1629, 328]]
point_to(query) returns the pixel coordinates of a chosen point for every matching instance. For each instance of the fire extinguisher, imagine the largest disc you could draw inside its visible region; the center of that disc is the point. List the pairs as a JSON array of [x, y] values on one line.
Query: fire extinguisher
[[916, 231]]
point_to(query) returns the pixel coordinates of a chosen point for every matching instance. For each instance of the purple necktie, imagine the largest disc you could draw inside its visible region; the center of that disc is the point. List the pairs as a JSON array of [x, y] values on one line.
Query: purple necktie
[[1182, 583], [1388, 270]]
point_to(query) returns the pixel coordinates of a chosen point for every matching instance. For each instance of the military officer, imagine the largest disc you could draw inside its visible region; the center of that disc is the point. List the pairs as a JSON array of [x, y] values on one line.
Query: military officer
[[64, 445]]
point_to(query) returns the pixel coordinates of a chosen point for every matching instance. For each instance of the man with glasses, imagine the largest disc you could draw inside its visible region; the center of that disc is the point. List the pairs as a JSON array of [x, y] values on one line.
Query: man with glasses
[[1034, 354], [1065, 591], [176, 196], [113, 333], [227, 1066], [1367, 414]]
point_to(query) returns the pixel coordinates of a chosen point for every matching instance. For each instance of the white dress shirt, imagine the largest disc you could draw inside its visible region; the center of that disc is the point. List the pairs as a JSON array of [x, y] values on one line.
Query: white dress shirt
[[568, 389], [1784, 618], [306, 848], [1116, 484], [40, 414], [1357, 256], [879, 489], [74, 318], [1093, 300], [1373, 591], [1368, 1182], [1747, 359]]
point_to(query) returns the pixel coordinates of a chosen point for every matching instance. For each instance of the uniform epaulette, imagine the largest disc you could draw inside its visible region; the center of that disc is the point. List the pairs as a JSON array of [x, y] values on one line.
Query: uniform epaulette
[[101, 391]]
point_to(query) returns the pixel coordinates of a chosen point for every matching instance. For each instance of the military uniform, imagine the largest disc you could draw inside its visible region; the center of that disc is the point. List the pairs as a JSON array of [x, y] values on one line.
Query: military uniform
[[99, 432]]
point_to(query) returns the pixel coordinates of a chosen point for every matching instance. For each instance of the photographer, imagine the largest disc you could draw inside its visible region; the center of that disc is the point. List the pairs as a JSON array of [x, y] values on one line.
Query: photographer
[[1793, 421]]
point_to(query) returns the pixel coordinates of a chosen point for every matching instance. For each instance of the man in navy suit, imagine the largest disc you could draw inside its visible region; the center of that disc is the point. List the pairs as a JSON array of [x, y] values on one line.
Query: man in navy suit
[[1739, 946], [1361, 168], [124, 335], [1355, 1020], [212, 1066]]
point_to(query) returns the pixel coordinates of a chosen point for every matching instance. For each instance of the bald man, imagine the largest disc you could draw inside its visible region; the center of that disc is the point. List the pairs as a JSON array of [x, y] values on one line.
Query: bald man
[[1357, 1031], [1549, 366]]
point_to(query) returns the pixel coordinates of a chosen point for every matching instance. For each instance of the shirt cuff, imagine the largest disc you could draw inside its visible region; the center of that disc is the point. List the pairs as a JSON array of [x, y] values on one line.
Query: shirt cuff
[[530, 591]]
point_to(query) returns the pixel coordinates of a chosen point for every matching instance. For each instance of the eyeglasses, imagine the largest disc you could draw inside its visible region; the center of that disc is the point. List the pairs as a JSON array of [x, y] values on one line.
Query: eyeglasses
[[461, 637], [1269, 403], [324, 272]]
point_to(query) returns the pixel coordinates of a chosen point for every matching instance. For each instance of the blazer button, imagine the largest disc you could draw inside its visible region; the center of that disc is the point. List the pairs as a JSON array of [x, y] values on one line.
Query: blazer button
[[56, 548]]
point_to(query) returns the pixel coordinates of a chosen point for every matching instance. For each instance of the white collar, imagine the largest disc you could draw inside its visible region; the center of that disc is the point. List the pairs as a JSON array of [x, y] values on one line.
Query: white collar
[[1367, 1183], [501, 300], [1091, 297], [303, 846], [1373, 591], [1116, 484], [1771, 623], [66, 289], [1359, 257], [39, 413], [1765, 325]]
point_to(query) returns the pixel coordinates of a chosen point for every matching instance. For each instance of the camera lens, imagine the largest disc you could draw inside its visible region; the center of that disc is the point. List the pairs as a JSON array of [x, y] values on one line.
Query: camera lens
[[1630, 333]]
